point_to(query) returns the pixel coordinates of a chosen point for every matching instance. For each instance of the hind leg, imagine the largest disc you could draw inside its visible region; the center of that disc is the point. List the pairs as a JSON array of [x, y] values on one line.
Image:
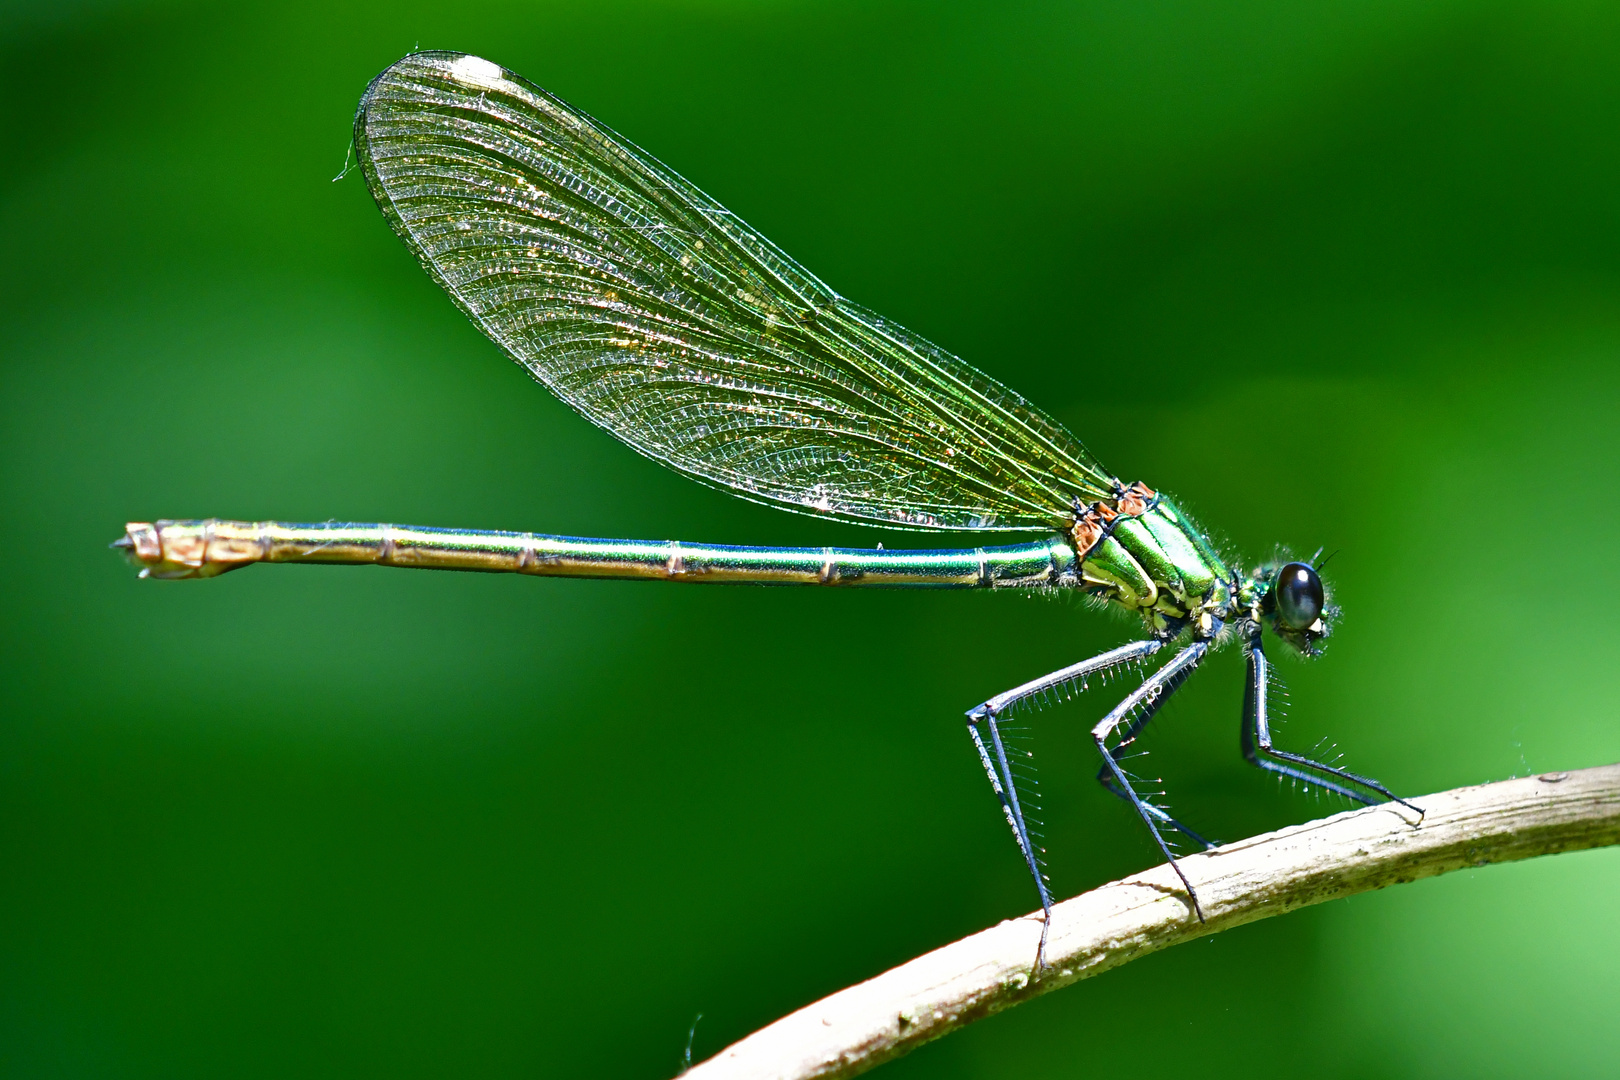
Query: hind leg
[[982, 721]]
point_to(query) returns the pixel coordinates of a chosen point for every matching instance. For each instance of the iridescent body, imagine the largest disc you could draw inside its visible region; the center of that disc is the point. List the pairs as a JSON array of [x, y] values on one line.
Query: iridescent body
[[661, 317]]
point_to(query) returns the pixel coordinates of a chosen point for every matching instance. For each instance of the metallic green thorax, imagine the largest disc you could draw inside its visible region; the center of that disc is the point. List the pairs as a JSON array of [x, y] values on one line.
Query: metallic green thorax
[[1160, 564]]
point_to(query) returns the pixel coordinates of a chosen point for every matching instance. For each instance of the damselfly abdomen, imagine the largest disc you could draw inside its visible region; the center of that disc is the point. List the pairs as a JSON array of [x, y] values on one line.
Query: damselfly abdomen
[[662, 318]]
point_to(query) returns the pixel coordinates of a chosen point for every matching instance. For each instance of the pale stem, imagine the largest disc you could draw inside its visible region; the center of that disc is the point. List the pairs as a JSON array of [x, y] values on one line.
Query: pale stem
[[865, 1025]]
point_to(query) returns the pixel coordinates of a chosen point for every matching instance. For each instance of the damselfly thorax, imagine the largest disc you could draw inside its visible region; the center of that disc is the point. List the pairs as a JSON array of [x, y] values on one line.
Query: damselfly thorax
[[1139, 551], [663, 318]]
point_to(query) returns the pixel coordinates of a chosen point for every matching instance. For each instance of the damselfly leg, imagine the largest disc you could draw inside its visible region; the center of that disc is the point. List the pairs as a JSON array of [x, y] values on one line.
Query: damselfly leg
[[998, 767], [1257, 747], [1152, 693], [1105, 775]]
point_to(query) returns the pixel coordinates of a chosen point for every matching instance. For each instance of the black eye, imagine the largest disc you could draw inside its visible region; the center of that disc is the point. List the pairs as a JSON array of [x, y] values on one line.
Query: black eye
[[1299, 595]]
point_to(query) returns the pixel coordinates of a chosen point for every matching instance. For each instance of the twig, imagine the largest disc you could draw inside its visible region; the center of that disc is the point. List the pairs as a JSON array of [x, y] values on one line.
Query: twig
[[933, 995]]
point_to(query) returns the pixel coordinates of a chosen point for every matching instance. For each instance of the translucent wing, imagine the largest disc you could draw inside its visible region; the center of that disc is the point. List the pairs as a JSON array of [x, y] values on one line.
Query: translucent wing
[[664, 319]]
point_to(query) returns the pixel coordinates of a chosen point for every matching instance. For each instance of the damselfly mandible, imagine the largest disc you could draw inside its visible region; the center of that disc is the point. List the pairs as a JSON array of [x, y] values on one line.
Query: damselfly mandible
[[662, 318]]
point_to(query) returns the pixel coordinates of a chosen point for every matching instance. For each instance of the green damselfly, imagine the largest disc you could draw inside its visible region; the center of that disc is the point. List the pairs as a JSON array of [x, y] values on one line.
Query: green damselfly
[[662, 318]]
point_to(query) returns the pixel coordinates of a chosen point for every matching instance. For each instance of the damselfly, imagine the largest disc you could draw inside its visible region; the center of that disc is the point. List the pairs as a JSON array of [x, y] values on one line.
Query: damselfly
[[662, 318]]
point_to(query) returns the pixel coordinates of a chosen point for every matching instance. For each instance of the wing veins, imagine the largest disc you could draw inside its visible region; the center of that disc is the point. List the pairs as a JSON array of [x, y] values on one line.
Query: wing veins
[[662, 317]]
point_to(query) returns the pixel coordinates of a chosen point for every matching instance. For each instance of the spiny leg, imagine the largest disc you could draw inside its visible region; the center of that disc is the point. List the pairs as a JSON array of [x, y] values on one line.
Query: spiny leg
[[1257, 747], [1063, 677], [1158, 687], [1001, 779], [1105, 776], [999, 770]]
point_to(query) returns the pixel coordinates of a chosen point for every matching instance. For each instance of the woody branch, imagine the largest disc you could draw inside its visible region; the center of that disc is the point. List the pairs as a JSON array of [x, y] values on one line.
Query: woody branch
[[863, 1026]]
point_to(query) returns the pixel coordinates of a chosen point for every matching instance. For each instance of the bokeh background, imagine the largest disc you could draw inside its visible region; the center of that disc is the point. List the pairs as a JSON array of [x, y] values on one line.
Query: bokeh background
[[1341, 274]]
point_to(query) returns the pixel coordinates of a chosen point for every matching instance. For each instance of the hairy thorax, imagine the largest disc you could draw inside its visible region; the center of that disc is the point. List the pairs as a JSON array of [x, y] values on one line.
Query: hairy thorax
[[1141, 552]]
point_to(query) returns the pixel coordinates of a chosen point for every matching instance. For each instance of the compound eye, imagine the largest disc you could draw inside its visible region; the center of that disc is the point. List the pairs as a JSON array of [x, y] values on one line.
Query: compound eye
[[1299, 595]]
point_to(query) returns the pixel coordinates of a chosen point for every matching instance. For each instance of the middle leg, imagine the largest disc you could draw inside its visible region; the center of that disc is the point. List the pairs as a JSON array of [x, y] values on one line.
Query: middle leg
[[1150, 696], [1105, 775]]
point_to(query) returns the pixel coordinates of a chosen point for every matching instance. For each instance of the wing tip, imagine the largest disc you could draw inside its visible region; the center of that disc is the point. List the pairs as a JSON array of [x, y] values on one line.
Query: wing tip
[[465, 69], [433, 59]]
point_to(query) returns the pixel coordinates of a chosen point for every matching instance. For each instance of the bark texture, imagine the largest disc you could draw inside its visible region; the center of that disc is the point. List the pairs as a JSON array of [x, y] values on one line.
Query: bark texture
[[865, 1025]]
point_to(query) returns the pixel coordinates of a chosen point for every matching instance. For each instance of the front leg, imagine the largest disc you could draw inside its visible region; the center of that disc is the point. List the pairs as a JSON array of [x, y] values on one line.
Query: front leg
[[1257, 747], [999, 769]]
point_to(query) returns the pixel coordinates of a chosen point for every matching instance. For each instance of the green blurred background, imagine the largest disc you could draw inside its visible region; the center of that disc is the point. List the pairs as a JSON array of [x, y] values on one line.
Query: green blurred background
[[1342, 274]]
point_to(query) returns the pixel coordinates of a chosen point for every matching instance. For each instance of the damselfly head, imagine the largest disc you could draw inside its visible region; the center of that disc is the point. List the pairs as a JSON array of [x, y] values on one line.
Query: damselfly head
[[1293, 601]]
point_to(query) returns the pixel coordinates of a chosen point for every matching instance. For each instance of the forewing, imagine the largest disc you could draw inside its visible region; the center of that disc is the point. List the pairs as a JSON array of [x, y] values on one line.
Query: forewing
[[661, 317]]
